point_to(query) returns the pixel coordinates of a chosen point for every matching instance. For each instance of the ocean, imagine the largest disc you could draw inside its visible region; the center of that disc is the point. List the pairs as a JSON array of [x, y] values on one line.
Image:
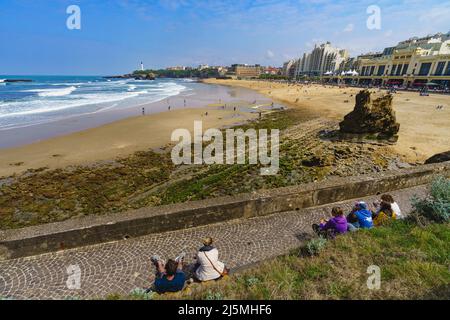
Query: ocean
[[52, 98]]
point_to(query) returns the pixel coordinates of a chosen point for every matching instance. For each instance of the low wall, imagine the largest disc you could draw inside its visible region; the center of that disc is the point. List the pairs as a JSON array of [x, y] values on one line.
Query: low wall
[[98, 229]]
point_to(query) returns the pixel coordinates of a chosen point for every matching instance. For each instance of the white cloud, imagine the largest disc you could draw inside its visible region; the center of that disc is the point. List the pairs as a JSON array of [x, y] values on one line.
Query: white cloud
[[270, 55], [349, 28]]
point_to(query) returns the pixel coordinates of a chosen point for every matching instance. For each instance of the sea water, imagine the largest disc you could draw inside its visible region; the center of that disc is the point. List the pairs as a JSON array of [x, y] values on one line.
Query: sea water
[[52, 98]]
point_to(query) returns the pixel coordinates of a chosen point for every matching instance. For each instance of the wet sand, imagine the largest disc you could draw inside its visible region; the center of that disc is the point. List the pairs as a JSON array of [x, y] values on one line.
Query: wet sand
[[424, 131]]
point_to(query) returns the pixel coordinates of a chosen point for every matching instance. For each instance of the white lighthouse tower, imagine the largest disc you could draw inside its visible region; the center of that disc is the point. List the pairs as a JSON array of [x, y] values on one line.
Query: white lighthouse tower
[[142, 66]]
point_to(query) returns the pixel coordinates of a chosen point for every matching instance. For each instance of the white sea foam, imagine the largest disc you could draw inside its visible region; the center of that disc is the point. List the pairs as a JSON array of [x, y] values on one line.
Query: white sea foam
[[53, 92], [52, 104]]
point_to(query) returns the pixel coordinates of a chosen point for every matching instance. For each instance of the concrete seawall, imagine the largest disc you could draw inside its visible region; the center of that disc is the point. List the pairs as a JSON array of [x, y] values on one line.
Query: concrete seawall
[[98, 229]]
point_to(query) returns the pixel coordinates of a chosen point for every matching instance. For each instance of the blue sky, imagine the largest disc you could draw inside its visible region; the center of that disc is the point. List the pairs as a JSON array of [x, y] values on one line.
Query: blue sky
[[116, 35]]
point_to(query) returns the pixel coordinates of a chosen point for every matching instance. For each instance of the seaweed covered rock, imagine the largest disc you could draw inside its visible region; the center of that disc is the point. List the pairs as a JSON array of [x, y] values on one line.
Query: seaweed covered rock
[[438, 158], [375, 117]]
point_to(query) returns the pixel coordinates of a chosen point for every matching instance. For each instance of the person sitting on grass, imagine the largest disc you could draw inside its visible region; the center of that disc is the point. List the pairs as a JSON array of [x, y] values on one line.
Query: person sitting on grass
[[169, 278], [387, 198], [360, 217], [384, 215], [333, 227], [208, 265]]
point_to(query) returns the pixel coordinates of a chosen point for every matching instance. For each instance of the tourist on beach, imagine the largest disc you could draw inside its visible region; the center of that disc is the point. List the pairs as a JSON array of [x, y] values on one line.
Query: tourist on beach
[[333, 227], [169, 277], [384, 215], [360, 217], [208, 265]]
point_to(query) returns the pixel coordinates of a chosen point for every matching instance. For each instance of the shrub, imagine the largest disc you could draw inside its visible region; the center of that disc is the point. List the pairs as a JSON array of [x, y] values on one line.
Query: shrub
[[315, 246], [214, 296], [252, 281], [436, 207], [141, 294]]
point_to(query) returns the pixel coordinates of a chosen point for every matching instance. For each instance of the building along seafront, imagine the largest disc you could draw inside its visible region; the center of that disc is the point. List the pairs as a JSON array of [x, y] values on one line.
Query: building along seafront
[[246, 71], [415, 63], [323, 58]]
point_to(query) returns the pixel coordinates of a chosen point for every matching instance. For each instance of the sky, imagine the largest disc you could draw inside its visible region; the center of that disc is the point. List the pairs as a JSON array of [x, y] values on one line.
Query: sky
[[116, 35]]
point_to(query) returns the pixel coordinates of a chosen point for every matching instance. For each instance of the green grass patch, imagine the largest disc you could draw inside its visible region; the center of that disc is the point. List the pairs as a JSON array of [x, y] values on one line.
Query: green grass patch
[[414, 264]]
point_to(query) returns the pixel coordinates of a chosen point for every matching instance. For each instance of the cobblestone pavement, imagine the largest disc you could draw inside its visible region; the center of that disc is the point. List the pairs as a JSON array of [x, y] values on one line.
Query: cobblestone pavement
[[119, 267]]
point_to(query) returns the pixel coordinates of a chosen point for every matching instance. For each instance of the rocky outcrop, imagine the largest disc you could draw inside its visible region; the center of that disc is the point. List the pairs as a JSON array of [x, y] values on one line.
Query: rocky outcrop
[[136, 76], [438, 158], [369, 117]]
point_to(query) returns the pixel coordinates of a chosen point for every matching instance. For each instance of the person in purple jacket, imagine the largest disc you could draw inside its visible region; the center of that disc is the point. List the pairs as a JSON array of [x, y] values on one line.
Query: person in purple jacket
[[335, 226]]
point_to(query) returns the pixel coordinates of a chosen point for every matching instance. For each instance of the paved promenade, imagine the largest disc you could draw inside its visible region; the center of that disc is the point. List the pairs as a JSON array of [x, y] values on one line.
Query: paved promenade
[[119, 267]]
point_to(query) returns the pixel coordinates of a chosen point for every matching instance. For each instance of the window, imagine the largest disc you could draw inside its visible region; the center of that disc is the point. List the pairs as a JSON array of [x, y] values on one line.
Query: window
[[440, 68], [394, 67], [363, 71], [399, 70], [381, 70], [372, 70], [424, 69], [447, 71], [405, 69]]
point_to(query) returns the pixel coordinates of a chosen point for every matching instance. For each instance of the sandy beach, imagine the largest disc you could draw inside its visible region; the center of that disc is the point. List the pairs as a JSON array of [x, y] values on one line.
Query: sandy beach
[[113, 140], [424, 130]]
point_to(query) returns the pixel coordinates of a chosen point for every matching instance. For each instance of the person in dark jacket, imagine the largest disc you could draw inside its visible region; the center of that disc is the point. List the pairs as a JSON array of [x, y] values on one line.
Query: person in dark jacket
[[169, 277]]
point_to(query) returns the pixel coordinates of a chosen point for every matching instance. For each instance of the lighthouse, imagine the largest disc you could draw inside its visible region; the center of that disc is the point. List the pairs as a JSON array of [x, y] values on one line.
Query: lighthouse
[[142, 66]]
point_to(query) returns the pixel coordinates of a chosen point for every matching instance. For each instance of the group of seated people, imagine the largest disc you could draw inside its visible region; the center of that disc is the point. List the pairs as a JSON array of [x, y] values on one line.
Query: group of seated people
[[359, 218], [172, 276]]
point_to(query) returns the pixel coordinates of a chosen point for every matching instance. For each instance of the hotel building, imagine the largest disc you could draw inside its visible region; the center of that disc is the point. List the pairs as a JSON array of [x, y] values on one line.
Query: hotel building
[[289, 68], [323, 58], [246, 71]]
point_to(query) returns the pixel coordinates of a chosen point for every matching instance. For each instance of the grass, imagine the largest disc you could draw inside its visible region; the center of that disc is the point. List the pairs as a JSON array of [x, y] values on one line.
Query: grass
[[414, 264]]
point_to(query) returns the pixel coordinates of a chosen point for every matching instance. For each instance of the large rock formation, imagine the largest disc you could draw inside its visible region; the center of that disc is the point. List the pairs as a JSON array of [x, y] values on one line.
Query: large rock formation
[[375, 117]]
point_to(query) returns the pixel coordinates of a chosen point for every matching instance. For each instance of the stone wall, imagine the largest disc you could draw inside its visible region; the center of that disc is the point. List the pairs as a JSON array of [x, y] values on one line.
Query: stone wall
[[92, 230]]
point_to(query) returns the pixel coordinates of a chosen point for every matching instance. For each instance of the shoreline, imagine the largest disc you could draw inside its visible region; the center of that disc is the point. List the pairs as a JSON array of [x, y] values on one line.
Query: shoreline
[[423, 129], [130, 134], [196, 95]]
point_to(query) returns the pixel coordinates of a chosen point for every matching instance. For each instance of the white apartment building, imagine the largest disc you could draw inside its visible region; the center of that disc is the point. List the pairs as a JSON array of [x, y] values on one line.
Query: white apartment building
[[323, 58]]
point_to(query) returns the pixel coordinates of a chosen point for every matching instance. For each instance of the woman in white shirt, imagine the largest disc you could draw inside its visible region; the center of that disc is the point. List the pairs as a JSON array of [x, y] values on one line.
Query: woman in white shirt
[[209, 266], [387, 198]]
